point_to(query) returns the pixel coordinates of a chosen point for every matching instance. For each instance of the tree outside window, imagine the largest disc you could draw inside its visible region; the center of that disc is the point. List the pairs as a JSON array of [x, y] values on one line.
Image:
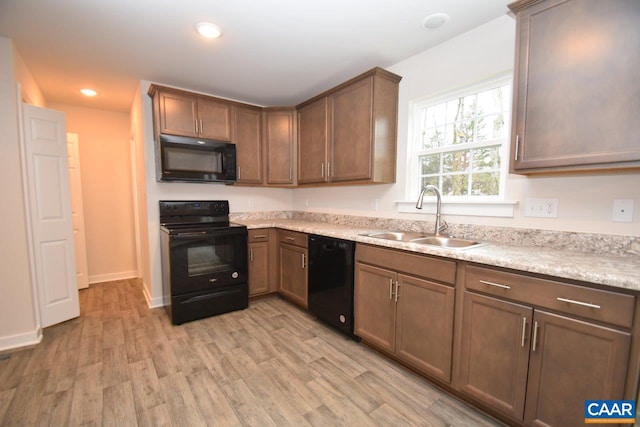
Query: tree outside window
[[460, 140]]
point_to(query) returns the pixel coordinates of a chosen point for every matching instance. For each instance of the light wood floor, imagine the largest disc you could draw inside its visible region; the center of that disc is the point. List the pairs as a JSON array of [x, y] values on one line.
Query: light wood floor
[[122, 364]]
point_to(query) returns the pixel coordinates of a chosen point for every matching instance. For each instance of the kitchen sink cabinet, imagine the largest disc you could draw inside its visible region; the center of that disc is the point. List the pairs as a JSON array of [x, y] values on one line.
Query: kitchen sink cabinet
[[348, 134], [535, 366], [248, 139], [187, 114], [293, 257], [279, 144], [575, 88], [409, 317]]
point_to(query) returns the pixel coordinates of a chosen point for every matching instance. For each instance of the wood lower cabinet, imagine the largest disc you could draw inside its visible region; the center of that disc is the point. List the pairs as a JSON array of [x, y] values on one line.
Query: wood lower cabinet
[[534, 366], [293, 256], [575, 85], [248, 140], [407, 316]]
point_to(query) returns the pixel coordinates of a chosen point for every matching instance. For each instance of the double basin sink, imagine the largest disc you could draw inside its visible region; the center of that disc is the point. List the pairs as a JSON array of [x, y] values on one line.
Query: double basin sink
[[423, 239]]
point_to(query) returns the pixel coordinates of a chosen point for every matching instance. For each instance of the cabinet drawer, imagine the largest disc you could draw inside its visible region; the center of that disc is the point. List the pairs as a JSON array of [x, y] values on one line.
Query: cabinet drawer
[[258, 235], [418, 265], [292, 238], [596, 304]]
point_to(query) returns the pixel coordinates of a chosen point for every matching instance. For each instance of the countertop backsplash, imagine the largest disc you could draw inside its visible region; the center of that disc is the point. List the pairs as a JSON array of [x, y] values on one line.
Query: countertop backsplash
[[590, 243]]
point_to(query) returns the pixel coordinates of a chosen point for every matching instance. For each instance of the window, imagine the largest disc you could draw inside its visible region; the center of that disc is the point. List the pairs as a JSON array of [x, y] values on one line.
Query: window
[[460, 140]]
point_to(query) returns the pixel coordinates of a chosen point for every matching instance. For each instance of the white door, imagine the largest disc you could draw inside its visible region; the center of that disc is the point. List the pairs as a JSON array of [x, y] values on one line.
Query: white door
[[49, 211], [77, 214]]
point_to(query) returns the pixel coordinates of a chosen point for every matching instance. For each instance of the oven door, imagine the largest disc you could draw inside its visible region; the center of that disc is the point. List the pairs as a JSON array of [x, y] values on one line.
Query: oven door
[[207, 259]]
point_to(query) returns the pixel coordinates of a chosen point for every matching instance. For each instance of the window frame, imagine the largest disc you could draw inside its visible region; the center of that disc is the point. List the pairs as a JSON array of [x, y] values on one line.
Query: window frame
[[413, 153]]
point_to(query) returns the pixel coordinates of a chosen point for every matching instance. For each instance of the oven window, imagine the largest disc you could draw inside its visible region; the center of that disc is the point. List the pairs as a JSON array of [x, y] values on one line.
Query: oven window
[[208, 259], [180, 159]]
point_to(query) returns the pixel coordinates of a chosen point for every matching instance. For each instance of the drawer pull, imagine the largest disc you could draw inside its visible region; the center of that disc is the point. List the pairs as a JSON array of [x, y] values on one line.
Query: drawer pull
[[524, 330], [584, 304], [497, 285], [290, 238], [260, 236]]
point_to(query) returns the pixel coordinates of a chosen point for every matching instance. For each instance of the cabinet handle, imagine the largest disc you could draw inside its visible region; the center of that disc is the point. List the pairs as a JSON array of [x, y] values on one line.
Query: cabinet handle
[[290, 238], [251, 254], [517, 146], [260, 236], [583, 304], [201, 127], [322, 170], [524, 330], [196, 125], [535, 336], [328, 169], [390, 288], [303, 262], [397, 290], [238, 169], [290, 174], [497, 285]]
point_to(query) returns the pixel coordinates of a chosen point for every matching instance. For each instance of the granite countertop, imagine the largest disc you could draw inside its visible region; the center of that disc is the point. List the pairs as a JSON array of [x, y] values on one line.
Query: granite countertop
[[609, 270]]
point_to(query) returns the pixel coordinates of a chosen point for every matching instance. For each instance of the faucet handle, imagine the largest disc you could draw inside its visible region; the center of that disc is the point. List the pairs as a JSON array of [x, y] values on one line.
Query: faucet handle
[[444, 226]]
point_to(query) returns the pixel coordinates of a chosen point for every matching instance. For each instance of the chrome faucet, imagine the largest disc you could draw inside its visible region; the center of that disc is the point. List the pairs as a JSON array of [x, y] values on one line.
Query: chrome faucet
[[438, 227]]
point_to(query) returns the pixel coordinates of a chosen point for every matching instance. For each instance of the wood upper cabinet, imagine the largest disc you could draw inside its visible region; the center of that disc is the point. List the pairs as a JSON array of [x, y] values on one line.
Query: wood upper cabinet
[[576, 87], [348, 134], [187, 114], [408, 316], [279, 144], [248, 139], [535, 366], [261, 258], [313, 137]]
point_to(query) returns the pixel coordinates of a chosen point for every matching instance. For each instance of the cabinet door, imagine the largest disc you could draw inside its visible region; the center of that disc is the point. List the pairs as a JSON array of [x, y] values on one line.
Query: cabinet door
[[424, 325], [293, 273], [494, 352], [279, 140], [374, 305], [351, 151], [214, 119], [258, 268], [572, 361], [312, 142], [248, 145], [576, 85], [178, 113]]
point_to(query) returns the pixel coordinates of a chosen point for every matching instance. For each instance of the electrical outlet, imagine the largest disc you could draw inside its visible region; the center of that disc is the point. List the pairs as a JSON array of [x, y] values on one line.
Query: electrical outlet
[[622, 210], [541, 208]]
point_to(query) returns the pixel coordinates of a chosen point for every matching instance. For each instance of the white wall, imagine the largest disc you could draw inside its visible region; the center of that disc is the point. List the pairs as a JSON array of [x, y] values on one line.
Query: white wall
[[18, 325], [241, 199], [585, 201]]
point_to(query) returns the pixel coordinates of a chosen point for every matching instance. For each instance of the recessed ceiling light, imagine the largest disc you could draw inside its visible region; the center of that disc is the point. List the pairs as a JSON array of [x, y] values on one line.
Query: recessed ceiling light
[[88, 92], [209, 30], [435, 21]]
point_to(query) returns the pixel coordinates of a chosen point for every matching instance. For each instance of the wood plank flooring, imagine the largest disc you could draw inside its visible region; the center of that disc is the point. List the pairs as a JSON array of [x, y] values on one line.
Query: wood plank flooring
[[123, 364]]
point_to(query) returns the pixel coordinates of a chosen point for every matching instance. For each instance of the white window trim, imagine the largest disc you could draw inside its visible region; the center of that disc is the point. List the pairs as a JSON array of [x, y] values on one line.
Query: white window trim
[[493, 206]]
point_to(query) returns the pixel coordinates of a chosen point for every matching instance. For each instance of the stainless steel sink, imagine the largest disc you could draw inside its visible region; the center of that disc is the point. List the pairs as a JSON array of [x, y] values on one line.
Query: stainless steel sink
[[423, 239], [447, 242], [400, 236]]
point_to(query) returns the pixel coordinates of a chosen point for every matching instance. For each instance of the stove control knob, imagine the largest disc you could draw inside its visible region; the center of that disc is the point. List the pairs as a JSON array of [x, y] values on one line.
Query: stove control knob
[[234, 274]]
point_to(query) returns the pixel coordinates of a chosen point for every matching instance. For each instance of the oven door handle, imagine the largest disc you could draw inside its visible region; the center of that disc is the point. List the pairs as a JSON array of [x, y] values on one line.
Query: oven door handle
[[194, 233]]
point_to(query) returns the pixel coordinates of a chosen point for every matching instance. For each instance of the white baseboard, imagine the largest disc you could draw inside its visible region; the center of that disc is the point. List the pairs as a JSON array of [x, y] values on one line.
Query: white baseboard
[[99, 278], [21, 340], [152, 302]]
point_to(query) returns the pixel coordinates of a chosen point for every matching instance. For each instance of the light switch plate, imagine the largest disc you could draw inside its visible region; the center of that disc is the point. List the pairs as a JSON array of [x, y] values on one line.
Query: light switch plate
[[622, 210]]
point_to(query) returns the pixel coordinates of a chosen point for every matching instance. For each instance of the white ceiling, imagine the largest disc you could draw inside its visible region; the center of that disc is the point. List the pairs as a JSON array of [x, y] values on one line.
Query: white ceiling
[[272, 52]]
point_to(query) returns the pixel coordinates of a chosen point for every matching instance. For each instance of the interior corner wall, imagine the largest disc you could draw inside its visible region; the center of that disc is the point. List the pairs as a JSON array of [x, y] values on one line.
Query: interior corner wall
[[18, 324], [105, 166]]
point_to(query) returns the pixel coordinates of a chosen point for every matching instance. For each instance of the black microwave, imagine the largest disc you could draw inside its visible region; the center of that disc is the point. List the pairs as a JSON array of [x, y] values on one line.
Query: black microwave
[[181, 158]]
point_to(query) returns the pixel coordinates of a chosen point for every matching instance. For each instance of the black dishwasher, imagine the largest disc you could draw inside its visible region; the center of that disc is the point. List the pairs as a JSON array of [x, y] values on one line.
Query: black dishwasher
[[331, 264]]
